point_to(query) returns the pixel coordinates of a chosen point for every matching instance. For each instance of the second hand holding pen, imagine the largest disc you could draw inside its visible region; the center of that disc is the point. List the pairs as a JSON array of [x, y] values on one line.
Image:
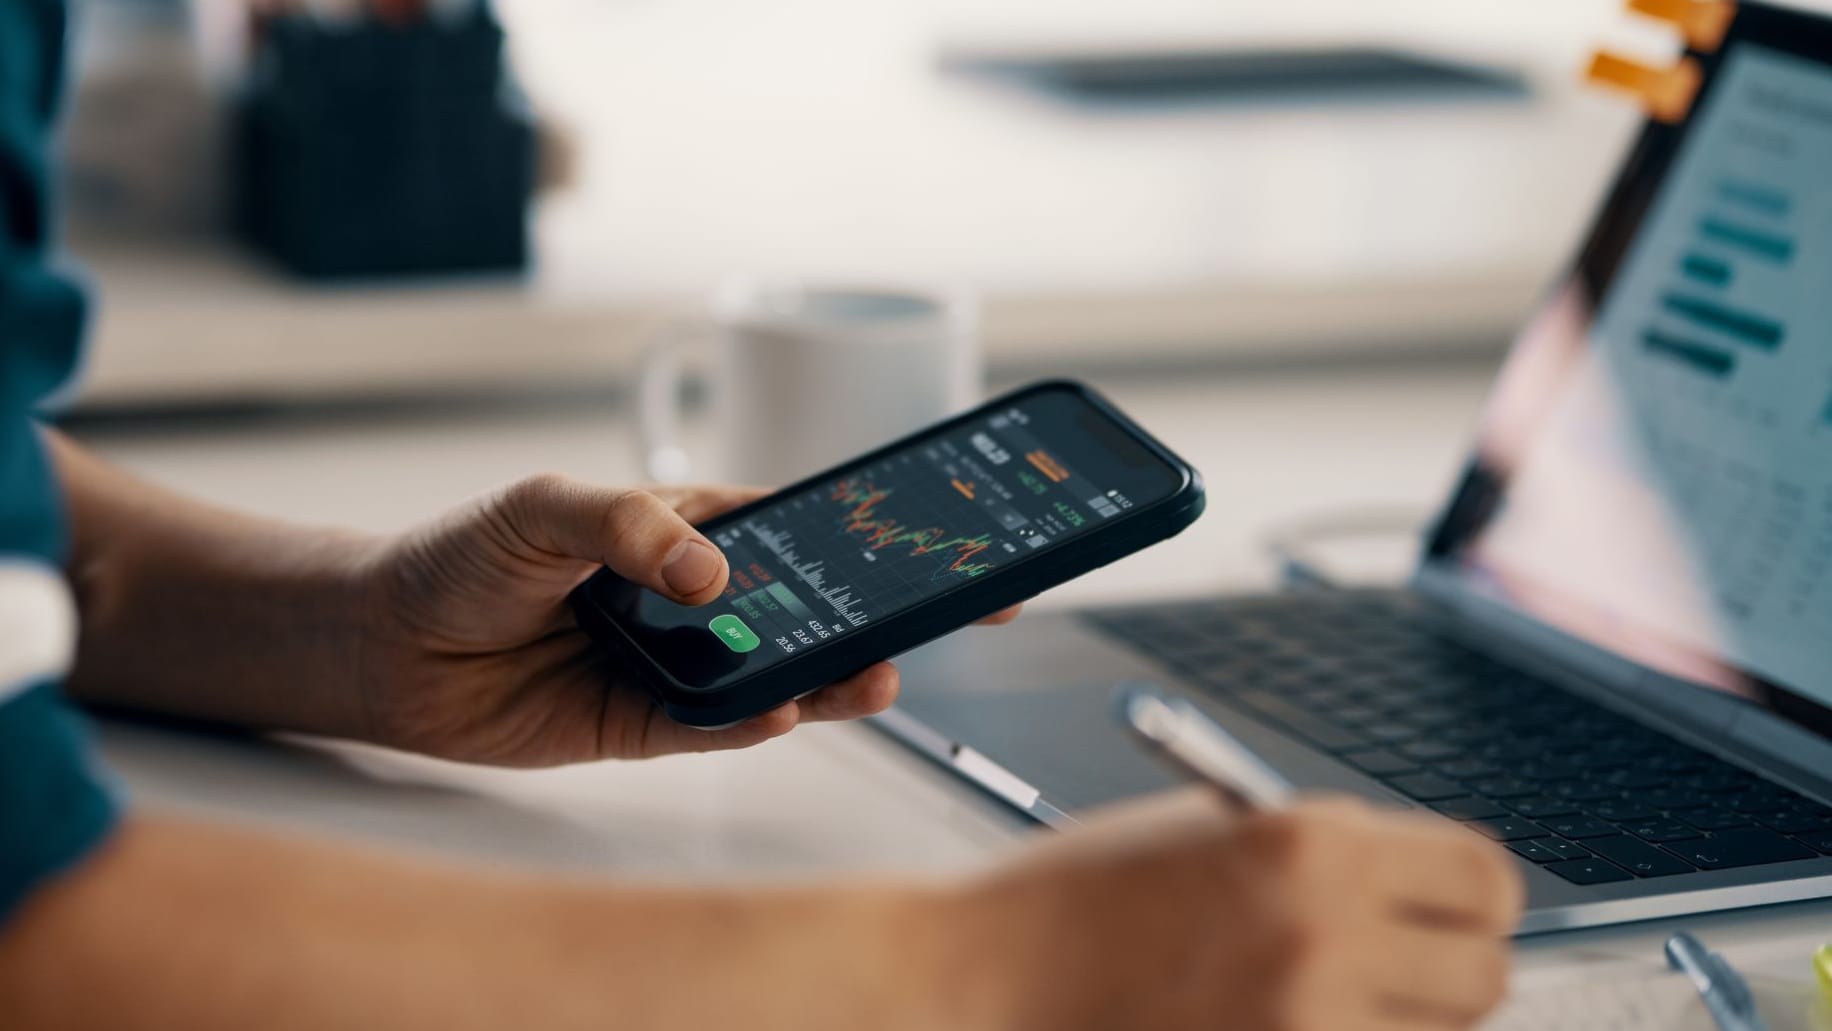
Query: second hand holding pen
[[1177, 731]]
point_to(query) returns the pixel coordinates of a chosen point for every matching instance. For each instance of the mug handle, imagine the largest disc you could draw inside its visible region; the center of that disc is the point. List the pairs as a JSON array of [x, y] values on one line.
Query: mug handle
[[658, 406]]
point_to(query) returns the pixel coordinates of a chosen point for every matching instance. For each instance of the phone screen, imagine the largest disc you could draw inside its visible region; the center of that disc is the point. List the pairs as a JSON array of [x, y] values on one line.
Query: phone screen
[[826, 561]]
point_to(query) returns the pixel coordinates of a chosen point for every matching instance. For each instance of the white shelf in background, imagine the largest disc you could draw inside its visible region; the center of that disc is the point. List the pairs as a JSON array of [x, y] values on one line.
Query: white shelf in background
[[203, 324]]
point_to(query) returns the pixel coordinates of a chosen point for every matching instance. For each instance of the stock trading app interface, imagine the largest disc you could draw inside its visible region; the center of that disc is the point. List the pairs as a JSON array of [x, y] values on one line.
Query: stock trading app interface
[[862, 546]]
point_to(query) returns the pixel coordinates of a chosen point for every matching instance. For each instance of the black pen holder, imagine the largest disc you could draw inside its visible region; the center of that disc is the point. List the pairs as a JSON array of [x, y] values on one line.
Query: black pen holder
[[368, 150]]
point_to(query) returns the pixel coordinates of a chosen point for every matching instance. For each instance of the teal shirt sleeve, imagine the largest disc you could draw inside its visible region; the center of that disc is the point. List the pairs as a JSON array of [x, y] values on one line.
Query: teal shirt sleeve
[[54, 808]]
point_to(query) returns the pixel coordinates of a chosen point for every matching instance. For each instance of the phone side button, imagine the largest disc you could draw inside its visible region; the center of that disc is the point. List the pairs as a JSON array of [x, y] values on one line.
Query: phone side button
[[995, 778]]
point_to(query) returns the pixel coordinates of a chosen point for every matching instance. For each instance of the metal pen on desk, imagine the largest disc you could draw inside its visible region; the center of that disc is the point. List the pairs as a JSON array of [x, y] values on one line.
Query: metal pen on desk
[[1721, 987], [1177, 731]]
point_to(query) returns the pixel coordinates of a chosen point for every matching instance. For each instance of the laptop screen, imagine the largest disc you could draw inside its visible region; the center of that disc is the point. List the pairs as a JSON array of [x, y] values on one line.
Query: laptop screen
[[1654, 471]]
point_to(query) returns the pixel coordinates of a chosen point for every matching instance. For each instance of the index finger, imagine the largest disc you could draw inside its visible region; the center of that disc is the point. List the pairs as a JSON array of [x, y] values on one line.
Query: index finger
[[1001, 617], [700, 503]]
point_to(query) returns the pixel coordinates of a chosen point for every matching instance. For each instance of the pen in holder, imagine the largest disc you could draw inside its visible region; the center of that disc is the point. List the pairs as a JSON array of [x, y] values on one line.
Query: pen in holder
[[370, 148]]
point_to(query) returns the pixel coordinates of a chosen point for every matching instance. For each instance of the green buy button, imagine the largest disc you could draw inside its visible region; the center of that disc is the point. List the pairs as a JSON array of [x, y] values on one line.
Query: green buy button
[[734, 633]]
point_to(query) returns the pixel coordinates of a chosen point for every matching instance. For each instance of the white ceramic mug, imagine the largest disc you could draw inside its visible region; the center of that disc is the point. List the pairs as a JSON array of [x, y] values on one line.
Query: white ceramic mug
[[803, 377]]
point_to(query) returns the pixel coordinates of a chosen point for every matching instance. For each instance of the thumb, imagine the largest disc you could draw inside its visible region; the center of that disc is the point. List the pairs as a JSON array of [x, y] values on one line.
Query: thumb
[[638, 535]]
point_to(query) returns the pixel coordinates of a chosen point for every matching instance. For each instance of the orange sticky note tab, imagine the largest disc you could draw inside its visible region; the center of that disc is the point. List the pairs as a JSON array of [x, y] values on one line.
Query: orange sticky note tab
[[1703, 22], [1666, 93]]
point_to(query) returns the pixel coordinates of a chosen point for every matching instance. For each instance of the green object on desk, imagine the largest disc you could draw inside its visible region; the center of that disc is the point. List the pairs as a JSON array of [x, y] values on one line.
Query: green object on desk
[[1822, 969]]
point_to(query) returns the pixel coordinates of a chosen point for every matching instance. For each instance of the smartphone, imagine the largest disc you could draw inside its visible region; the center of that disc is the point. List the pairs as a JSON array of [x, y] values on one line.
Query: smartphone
[[923, 536]]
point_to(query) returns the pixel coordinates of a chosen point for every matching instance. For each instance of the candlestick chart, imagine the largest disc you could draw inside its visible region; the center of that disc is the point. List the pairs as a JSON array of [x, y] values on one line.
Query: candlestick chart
[[864, 517]]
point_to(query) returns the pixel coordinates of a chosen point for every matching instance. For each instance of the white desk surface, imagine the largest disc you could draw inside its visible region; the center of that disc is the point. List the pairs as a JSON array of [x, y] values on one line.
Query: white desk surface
[[826, 800]]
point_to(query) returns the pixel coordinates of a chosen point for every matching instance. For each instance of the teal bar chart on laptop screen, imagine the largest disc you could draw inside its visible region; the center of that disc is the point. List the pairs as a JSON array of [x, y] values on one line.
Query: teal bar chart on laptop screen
[[1701, 411]]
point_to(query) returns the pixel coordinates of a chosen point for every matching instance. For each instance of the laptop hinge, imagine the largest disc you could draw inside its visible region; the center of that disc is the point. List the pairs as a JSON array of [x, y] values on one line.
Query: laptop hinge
[[1709, 720]]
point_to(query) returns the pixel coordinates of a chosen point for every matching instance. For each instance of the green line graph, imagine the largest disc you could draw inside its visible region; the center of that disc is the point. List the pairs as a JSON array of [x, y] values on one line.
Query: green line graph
[[862, 498]]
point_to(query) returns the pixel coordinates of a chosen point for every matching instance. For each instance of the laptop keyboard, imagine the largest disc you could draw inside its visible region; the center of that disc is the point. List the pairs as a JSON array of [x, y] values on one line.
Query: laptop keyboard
[[1588, 794]]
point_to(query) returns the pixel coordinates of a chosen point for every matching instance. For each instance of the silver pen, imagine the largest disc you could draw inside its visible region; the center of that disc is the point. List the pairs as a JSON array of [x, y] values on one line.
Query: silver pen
[[1177, 731], [1721, 987]]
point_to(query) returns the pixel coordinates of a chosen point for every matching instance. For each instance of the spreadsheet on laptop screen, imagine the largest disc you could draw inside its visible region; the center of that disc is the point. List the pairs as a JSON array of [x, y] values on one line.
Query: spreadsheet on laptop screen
[[1665, 439]]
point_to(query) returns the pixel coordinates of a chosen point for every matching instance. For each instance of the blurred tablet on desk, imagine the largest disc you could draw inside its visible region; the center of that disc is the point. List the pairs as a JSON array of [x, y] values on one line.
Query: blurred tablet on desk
[[1243, 74]]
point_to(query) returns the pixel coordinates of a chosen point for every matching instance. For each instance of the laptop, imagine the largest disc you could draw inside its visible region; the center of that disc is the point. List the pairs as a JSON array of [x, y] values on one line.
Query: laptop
[[1615, 654]]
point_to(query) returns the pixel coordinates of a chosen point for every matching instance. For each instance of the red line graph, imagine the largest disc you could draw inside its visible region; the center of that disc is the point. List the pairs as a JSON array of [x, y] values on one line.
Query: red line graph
[[862, 498]]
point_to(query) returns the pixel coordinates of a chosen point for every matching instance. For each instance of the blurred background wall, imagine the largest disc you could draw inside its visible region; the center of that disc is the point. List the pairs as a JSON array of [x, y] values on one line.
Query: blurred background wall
[[1282, 220]]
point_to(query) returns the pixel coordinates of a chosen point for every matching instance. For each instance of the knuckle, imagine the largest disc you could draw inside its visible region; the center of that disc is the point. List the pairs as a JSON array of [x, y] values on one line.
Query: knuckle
[[1310, 843], [1305, 952], [1494, 880], [537, 487], [1303, 945], [532, 500], [527, 504], [1291, 836], [1511, 900], [627, 510]]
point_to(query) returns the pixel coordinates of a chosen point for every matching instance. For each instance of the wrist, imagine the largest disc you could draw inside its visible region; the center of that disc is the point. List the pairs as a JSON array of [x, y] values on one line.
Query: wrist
[[1001, 957], [208, 615], [301, 598], [336, 575]]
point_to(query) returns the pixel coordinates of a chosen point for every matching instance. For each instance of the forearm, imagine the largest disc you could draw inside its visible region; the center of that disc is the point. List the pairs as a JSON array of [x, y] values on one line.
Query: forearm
[[179, 925], [194, 611]]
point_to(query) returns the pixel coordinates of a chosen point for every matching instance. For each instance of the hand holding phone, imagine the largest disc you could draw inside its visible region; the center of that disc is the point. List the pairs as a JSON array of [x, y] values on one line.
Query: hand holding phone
[[900, 546]]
